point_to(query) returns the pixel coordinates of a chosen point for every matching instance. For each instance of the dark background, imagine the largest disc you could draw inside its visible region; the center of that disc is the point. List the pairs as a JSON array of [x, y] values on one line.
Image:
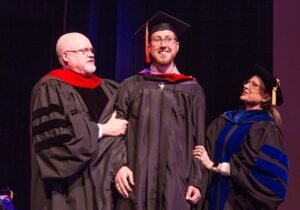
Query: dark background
[[225, 39]]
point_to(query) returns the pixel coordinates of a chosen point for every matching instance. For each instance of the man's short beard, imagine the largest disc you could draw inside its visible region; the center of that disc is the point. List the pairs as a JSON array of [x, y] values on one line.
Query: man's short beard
[[90, 68], [163, 62]]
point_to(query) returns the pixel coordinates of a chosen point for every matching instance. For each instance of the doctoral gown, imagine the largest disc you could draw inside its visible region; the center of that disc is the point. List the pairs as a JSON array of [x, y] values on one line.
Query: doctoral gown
[[166, 120], [64, 145], [251, 142]]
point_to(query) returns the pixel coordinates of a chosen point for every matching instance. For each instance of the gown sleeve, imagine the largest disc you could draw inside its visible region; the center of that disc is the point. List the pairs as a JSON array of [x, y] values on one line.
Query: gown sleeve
[[260, 168], [198, 118], [199, 176], [121, 106], [63, 135], [212, 134]]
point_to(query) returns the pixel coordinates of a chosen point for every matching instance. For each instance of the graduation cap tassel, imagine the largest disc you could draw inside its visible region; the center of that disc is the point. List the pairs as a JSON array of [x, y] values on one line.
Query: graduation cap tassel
[[146, 44], [274, 90]]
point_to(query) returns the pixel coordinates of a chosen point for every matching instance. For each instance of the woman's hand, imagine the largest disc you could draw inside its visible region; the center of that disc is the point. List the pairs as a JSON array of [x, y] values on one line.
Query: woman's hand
[[200, 153]]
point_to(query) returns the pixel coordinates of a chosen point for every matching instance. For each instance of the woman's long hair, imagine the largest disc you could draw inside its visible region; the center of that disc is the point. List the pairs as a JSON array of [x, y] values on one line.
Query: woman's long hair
[[271, 109]]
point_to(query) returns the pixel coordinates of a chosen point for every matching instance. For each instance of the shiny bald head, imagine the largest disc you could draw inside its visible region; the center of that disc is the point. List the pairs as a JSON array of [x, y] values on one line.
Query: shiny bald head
[[75, 52], [69, 41]]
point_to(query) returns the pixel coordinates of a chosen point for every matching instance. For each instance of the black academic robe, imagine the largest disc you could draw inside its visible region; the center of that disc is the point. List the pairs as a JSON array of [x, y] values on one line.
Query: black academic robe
[[166, 120], [64, 144], [251, 142]]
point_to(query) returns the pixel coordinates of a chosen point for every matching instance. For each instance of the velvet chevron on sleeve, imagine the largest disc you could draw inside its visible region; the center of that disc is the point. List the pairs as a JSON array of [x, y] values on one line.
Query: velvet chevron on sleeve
[[64, 140], [252, 144], [61, 129]]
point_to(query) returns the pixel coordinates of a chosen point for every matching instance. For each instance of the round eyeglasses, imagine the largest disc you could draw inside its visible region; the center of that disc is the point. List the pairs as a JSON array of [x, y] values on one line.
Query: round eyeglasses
[[253, 85], [167, 40]]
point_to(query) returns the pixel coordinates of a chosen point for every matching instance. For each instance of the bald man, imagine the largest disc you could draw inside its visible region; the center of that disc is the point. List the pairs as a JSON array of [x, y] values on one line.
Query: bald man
[[66, 105]]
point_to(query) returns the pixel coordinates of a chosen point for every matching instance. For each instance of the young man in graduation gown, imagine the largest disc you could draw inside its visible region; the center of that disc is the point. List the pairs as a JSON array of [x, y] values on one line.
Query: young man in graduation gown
[[66, 105], [165, 112]]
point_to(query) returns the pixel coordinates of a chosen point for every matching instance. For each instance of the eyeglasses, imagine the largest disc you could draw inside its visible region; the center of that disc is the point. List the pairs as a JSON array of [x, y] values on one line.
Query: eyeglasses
[[253, 85], [82, 51], [167, 40]]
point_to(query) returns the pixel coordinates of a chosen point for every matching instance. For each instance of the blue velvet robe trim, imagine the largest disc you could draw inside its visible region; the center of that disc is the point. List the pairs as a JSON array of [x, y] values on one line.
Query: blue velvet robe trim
[[270, 183], [226, 146], [275, 154], [269, 171], [272, 169], [246, 116]]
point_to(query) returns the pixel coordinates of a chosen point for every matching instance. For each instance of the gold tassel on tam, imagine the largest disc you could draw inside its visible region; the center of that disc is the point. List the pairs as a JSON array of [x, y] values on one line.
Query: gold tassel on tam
[[147, 44], [274, 92]]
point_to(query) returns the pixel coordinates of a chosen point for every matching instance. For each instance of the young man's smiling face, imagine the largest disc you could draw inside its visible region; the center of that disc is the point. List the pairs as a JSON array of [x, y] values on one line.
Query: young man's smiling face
[[163, 47]]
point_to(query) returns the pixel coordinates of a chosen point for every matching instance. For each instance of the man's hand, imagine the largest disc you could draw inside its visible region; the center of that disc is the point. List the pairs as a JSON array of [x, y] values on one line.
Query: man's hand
[[192, 195], [123, 180], [114, 126]]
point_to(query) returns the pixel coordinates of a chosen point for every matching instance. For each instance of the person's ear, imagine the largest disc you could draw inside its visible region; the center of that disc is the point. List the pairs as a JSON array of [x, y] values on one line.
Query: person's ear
[[266, 97], [65, 58], [177, 46], [149, 47]]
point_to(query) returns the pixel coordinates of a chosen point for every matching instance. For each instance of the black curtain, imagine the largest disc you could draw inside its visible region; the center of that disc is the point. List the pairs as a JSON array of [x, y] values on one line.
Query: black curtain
[[28, 33], [225, 39]]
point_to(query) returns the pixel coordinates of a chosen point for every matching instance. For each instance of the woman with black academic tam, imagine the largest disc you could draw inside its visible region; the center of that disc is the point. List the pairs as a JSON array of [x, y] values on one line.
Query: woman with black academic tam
[[244, 150]]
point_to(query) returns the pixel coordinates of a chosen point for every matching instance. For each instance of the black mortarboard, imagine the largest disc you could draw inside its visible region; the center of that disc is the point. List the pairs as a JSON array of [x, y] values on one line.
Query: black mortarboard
[[163, 21], [272, 85], [159, 22]]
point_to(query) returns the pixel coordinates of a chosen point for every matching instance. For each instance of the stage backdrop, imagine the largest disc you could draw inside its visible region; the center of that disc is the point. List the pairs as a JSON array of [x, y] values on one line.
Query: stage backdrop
[[287, 68]]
